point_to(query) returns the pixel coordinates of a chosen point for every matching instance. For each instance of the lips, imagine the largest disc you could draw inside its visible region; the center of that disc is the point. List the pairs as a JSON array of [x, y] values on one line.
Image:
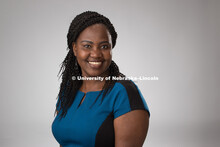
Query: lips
[[95, 64]]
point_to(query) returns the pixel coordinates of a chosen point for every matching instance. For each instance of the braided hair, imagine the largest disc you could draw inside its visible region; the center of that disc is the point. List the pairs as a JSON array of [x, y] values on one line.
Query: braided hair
[[70, 67]]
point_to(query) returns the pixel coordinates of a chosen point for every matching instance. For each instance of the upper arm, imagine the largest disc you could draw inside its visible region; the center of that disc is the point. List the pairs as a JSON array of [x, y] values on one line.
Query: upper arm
[[131, 129], [131, 116]]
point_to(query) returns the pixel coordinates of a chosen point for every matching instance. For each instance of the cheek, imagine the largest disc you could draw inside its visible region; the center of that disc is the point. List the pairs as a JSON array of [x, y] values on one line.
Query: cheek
[[108, 55], [82, 55]]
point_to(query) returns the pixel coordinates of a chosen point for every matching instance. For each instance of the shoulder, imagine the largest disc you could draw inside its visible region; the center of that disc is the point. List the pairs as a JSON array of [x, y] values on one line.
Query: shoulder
[[128, 97], [127, 85], [132, 92]]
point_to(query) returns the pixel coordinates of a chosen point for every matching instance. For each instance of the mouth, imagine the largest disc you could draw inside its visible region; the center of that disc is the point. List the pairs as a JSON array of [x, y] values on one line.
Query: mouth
[[95, 64]]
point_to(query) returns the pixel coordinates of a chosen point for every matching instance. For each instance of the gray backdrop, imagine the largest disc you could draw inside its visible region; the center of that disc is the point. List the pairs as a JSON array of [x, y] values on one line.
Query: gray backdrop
[[176, 40]]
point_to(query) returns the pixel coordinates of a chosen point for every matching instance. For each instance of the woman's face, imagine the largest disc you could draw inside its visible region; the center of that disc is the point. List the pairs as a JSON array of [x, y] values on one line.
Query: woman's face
[[93, 50]]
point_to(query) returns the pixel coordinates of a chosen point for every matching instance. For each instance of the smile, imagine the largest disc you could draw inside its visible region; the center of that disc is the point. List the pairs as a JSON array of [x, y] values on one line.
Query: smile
[[95, 63]]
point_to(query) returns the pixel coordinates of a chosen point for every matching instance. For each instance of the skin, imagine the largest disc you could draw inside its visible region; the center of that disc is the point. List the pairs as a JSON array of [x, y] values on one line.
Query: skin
[[94, 44]]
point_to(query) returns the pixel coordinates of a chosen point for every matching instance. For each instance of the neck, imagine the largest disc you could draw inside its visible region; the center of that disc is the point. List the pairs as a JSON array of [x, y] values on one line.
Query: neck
[[92, 85]]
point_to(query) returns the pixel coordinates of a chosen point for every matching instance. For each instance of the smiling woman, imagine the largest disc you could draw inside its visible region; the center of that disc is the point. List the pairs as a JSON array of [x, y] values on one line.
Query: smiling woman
[[97, 113], [93, 50]]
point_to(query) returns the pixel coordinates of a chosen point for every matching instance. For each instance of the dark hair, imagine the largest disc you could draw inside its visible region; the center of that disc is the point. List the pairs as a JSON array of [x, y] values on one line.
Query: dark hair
[[70, 67]]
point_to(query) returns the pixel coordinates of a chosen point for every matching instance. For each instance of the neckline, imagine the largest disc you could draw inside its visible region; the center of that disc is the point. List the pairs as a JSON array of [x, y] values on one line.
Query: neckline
[[90, 91]]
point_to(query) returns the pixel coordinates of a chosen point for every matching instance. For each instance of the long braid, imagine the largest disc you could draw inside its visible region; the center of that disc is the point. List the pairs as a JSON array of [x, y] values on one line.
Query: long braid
[[69, 68]]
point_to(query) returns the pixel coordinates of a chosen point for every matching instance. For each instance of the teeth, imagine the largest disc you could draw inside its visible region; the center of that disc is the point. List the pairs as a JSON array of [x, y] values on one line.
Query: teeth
[[95, 63]]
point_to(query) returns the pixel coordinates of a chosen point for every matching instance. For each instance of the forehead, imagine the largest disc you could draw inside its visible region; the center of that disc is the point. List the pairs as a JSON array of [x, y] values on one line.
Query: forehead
[[94, 33]]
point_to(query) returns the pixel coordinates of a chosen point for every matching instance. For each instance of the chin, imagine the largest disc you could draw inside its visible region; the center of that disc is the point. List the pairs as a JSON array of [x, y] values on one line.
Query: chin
[[95, 74]]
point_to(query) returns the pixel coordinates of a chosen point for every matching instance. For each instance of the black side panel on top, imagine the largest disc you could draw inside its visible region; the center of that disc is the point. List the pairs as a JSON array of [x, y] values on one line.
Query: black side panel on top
[[105, 136], [133, 95]]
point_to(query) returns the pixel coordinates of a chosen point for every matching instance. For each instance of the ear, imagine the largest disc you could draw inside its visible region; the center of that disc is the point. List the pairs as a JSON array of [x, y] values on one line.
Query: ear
[[74, 48]]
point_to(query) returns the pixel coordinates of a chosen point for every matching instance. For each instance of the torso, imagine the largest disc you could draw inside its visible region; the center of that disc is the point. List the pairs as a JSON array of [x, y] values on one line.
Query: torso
[[88, 125]]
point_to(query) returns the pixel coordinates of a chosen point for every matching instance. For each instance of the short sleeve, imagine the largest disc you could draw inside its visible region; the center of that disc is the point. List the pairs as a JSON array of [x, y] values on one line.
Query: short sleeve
[[129, 98]]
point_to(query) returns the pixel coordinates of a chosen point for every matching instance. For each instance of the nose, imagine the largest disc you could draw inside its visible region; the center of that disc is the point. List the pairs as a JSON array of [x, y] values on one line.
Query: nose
[[96, 52]]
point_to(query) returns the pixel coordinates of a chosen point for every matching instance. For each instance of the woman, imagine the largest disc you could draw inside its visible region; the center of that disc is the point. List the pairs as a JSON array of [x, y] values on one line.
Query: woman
[[98, 111]]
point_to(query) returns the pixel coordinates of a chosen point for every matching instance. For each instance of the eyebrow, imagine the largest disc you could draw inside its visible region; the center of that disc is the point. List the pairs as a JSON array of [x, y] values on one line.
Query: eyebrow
[[87, 41], [93, 43]]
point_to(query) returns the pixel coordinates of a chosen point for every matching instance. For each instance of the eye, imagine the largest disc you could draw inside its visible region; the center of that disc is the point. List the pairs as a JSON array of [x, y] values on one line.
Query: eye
[[87, 46], [104, 47]]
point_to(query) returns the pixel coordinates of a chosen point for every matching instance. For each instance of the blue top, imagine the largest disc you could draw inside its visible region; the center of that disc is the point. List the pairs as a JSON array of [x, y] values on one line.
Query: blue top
[[85, 126]]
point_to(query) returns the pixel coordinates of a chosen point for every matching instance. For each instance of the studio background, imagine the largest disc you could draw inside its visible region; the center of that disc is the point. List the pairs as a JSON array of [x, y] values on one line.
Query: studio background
[[176, 40]]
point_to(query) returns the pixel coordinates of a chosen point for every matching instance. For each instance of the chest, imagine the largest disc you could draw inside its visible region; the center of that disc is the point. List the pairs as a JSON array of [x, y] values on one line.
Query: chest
[[86, 122]]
